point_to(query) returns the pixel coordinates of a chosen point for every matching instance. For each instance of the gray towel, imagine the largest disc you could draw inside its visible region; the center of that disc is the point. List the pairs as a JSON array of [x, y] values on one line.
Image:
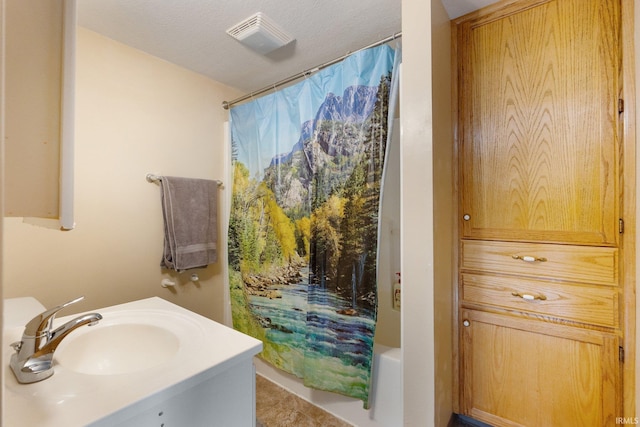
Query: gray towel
[[189, 208]]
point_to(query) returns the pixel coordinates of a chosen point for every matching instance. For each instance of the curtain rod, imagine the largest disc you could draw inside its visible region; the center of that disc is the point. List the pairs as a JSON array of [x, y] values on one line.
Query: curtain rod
[[227, 104]]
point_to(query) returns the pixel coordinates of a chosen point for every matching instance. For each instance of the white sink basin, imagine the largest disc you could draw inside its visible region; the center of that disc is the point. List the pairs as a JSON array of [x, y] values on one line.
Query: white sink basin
[[139, 354], [128, 341], [118, 349]]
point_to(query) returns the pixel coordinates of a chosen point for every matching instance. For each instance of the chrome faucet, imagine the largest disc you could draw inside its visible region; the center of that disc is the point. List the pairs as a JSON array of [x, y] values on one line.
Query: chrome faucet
[[33, 359]]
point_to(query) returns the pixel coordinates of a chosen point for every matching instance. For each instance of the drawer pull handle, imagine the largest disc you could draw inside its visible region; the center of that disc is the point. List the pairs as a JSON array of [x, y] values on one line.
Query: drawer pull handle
[[529, 297], [528, 258]]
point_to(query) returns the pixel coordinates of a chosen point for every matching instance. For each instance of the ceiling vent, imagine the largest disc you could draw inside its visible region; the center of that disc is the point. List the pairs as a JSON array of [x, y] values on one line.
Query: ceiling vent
[[260, 34]]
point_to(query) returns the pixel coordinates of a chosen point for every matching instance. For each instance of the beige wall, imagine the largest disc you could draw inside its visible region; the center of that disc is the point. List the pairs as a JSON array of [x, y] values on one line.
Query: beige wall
[[136, 114], [417, 216], [427, 214]]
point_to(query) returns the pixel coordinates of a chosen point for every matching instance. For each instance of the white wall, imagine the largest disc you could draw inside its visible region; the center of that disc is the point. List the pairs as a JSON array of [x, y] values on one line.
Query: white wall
[[136, 114]]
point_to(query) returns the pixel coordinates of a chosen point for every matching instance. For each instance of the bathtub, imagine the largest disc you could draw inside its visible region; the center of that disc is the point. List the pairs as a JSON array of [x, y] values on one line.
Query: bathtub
[[386, 408], [385, 397]]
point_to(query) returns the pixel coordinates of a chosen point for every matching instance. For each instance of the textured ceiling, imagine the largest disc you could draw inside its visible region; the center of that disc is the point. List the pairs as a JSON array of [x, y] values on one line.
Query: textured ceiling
[[191, 33]]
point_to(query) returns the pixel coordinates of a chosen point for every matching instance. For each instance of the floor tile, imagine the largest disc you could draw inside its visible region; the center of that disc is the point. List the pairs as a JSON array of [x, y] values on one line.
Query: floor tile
[[276, 407]]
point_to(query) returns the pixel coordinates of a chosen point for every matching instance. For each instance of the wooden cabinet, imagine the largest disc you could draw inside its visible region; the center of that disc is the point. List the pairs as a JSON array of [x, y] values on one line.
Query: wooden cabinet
[[523, 373], [539, 346], [539, 122], [540, 285]]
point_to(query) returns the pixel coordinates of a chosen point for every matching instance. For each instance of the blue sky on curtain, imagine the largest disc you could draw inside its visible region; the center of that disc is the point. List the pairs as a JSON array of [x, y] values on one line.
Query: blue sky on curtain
[[307, 168]]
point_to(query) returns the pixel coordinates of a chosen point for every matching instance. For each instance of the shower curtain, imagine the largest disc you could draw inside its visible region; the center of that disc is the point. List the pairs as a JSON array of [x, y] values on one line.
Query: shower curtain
[[303, 230]]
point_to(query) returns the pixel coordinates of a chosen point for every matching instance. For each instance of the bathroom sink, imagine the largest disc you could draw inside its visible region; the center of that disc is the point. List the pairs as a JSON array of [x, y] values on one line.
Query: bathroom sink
[[128, 341], [118, 349], [139, 355]]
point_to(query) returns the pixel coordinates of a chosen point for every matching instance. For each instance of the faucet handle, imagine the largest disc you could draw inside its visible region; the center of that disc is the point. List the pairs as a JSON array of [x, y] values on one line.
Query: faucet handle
[[43, 321]]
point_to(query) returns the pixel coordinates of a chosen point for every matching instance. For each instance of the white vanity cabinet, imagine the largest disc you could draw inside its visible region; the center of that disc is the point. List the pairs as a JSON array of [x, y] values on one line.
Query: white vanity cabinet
[[109, 374], [223, 400]]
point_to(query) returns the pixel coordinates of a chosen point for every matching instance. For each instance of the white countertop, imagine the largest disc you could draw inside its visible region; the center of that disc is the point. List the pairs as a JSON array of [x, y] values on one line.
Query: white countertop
[[70, 398]]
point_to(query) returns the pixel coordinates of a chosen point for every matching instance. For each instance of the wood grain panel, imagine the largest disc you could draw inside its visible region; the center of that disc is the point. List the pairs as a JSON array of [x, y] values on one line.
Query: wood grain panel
[[519, 376], [596, 305], [539, 148], [582, 264], [539, 123]]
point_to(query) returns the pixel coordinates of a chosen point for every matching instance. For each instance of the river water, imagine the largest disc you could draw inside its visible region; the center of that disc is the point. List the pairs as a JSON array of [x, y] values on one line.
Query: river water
[[335, 349]]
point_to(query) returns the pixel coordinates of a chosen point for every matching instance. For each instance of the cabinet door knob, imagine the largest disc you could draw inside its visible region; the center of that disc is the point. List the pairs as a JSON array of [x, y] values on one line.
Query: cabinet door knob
[[529, 297], [529, 258], [466, 322]]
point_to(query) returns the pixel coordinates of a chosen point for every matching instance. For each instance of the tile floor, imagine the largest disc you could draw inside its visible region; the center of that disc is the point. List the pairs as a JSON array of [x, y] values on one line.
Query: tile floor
[[276, 407]]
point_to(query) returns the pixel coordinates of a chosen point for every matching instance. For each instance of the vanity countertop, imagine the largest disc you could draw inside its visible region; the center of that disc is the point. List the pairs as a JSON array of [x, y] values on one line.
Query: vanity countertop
[[72, 398]]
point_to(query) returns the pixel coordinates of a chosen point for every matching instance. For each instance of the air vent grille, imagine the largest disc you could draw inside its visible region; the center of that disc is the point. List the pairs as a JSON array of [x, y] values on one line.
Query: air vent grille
[[260, 34]]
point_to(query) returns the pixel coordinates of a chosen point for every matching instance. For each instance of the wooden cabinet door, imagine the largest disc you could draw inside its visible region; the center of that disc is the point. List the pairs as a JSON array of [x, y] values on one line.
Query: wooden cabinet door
[[538, 90], [523, 373]]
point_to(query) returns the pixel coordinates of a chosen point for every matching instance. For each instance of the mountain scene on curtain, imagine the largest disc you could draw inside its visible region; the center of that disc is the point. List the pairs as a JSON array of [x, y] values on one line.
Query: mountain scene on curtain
[[303, 242]]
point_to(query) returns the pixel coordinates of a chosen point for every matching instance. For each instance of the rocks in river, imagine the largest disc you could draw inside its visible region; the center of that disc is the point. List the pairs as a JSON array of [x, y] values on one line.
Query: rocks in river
[[348, 311], [273, 293], [266, 323], [264, 291], [369, 298], [282, 329], [265, 284]]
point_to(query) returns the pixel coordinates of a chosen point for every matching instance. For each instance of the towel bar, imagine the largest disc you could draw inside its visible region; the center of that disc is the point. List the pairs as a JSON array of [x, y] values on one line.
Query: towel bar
[[155, 178]]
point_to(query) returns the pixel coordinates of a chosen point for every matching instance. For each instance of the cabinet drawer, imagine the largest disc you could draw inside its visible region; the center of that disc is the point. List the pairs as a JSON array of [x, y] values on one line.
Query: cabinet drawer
[[583, 264], [597, 305]]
